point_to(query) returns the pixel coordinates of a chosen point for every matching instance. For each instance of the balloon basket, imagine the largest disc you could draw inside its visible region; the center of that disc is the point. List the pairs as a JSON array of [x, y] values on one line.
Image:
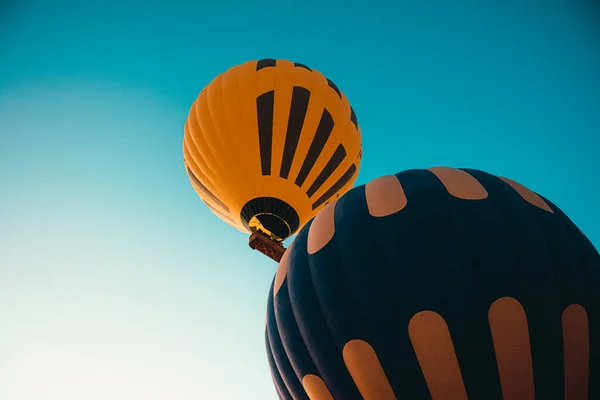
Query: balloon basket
[[269, 247]]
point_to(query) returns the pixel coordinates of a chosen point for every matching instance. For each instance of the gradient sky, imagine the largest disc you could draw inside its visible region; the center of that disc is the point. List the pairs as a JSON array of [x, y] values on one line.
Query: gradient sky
[[117, 283]]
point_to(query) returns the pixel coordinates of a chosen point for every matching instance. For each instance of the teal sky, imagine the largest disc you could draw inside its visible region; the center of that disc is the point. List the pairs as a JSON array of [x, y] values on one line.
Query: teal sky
[[117, 283]]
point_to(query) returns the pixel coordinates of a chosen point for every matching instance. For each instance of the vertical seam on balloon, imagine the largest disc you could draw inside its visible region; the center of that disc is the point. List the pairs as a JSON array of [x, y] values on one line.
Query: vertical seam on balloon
[[297, 371], [194, 161], [329, 330], [203, 132], [217, 212], [195, 181], [210, 194], [294, 311], [188, 166], [278, 282], [360, 312], [529, 211], [532, 211], [197, 147], [202, 136], [286, 359], [274, 366], [281, 277], [252, 175], [230, 132], [219, 145], [378, 258]]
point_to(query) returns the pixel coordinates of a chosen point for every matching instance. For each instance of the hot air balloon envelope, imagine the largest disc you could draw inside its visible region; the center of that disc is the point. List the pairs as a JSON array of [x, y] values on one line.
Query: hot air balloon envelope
[[440, 283], [269, 143]]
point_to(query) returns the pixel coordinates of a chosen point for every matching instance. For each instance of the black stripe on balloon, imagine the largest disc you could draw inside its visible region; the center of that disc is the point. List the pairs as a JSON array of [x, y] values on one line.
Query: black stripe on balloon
[[299, 65], [334, 87], [334, 162], [264, 109], [321, 135], [265, 63], [300, 99], [336, 186], [353, 117], [205, 191]]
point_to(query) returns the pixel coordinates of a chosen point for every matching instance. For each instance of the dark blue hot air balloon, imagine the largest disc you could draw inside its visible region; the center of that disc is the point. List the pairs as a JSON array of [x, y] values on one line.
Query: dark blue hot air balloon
[[437, 284]]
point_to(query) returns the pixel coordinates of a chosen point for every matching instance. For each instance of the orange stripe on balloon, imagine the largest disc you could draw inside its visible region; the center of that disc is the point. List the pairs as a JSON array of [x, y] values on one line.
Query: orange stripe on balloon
[[281, 273], [433, 346], [385, 196], [460, 184], [366, 371], [576, 344], [510, 334], [528, 195], [322, 229], [315, 388]]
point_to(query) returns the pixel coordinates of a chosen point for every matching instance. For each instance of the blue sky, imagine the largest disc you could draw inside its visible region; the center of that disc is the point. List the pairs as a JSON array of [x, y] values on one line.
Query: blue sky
[[116, 282]]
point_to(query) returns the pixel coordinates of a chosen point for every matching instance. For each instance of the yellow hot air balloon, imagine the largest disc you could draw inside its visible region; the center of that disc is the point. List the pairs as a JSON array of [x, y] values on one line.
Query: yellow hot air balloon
[[267, 144]]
